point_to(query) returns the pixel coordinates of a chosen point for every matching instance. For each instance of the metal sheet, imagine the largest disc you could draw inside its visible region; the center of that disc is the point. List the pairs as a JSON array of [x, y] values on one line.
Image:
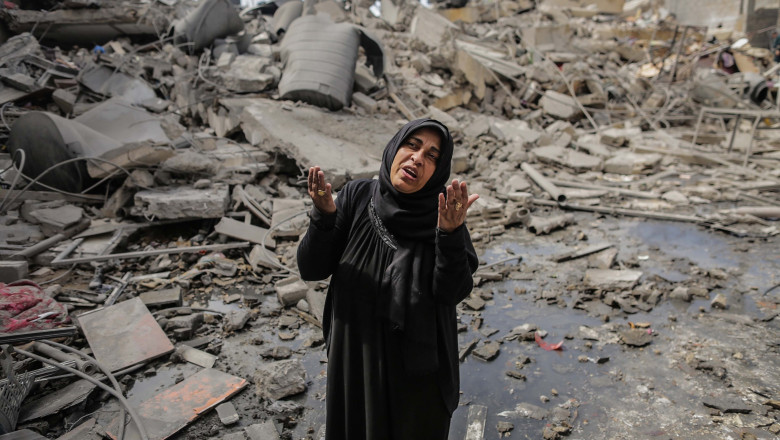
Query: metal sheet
[[72, 394], [124, 334], [24, 434], [174, 408]]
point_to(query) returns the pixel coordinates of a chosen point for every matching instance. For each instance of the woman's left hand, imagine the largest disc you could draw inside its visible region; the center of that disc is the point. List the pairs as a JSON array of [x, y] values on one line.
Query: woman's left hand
[[452, 211]]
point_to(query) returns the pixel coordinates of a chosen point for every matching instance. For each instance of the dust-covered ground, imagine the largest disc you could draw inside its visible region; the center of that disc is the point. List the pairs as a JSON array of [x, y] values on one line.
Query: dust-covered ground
[[705, 373]]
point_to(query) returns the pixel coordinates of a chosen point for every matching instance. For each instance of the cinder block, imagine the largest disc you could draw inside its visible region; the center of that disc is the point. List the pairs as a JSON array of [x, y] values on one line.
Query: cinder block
[[11, 271]]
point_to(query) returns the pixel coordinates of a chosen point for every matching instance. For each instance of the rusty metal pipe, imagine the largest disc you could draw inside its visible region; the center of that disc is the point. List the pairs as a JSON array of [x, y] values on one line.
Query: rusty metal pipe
[[81, 364]]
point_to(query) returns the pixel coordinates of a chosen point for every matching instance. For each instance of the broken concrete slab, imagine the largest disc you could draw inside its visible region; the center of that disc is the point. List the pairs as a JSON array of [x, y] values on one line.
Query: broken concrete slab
[[182, 202], [282, 224], [247, 74], [300, 133], [165, 297], [59, 400], [636, 337], [280, 379], [609, 279], [626, 162], [244, 232]]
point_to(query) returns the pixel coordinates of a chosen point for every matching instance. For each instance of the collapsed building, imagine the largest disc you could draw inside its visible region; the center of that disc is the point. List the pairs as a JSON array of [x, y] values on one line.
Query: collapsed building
[[155, 154]]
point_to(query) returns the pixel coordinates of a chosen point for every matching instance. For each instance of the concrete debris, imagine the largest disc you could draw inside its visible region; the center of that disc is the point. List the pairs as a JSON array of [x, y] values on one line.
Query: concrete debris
[[280, 379], [141, 135], [182, 202]]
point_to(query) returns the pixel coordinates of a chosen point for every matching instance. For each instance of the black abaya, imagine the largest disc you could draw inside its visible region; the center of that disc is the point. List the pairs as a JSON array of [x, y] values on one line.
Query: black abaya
[[370, 393]]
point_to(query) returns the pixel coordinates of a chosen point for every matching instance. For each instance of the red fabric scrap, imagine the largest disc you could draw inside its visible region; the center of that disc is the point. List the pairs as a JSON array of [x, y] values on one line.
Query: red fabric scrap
[[545, 345], [23, 302]]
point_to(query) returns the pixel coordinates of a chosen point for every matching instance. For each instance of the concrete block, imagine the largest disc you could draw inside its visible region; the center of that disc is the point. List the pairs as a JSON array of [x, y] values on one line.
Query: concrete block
[[365, 102], [559, 105], [627, 162], [227, 413], [166, 297], [11, 271], [289, 293]]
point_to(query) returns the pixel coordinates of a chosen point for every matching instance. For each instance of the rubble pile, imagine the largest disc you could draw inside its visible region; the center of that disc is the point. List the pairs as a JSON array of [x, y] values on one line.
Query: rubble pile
[[154, 188]]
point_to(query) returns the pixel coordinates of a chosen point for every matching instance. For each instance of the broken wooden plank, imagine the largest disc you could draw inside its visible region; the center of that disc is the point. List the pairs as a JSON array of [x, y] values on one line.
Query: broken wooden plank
[[573, 255]]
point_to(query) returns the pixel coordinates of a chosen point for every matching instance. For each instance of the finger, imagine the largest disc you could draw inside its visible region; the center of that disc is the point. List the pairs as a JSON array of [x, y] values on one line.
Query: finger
[[327, 189], [451, 195], [457, 190], [464, 193], [321, 179], [472, 198], [310, 178], [442, 204]]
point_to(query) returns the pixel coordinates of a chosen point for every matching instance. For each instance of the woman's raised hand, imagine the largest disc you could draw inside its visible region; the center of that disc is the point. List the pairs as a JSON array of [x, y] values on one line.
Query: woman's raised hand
[[319, 191], [452, 210]]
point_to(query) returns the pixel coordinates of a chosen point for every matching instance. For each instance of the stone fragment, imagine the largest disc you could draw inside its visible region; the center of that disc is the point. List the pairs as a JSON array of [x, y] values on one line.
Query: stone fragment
[[559, 105], [262, 431], [504, 427], [719, 302], [636, 337], [280, 379], [728, 405], [626, 162], [291, 290], [603, 260], [227, 413], [367, 103], [182, 202], [608, 279], [189, 163], [680, 293], [55, 220], [531, 411], [191, 322], [475, 302], [245, 74], [278, 353], [675, 197], [487, 351], [236, 320]]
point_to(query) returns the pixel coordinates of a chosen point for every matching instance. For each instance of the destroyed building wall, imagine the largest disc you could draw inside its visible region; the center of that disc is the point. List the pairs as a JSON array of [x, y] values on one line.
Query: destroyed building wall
[[706, 12]]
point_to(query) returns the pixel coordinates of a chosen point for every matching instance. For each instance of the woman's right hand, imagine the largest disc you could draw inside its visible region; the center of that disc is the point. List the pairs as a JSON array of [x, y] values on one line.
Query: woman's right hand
[[319, 191]]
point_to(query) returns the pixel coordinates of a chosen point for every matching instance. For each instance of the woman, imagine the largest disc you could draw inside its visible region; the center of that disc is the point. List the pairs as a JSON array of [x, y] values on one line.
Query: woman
[[400, 259]]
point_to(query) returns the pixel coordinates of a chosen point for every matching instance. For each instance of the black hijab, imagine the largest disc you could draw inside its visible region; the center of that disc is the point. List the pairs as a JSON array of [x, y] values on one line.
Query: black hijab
[[407, 296], [413, 216]]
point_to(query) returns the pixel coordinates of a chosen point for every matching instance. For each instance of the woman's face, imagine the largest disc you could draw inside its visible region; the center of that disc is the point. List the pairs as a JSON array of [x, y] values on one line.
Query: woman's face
[[416, 160]]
